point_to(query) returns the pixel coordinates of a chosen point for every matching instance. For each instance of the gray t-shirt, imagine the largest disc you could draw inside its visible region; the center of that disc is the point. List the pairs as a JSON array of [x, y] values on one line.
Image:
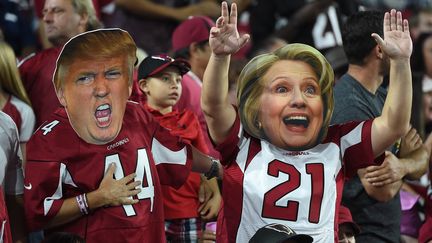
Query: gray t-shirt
[[379, 222]]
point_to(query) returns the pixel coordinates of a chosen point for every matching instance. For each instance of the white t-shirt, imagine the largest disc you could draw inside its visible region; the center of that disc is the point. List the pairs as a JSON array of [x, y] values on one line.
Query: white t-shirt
[[11, 172]]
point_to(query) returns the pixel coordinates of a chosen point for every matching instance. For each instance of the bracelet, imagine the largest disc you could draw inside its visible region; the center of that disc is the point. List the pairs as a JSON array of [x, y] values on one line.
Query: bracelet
[[82, 203], [86, 202], [214, 169]]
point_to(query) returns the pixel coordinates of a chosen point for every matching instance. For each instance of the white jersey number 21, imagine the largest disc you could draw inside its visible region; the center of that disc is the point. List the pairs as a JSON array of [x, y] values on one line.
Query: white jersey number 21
[[291, 210]]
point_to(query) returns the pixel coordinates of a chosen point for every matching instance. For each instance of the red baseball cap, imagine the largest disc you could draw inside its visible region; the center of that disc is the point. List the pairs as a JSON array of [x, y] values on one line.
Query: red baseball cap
[[194, 29], [152, 65], [345, 217]]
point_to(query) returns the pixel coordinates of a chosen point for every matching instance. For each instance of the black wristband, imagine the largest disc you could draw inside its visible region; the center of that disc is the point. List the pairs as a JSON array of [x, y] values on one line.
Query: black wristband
[[214, 169]]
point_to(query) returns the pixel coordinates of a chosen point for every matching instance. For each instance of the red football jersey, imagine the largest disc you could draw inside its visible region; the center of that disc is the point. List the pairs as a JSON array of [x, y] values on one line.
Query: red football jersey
[[302, 189], [184, 124], [61, 165], [36, 73], [182, 202]]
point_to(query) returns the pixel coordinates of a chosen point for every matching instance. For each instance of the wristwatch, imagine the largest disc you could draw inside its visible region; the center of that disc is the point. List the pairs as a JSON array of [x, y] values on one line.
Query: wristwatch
[[214, 169]]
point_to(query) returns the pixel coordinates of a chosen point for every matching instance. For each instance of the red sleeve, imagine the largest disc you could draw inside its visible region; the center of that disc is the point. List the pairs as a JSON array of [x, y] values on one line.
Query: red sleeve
[[13, 112], [36, 74], [186, 126], [356, 146], [172, 156], [44, 174], [42, 195], [229, 148]]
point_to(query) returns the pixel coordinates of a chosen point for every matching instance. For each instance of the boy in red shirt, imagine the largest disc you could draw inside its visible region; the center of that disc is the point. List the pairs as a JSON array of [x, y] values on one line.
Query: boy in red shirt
[[160, 79]]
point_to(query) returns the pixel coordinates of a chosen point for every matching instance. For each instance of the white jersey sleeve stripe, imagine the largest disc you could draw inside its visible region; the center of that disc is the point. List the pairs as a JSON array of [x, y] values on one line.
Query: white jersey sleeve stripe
[[243, 154], [64, 177], [16, 183], [351, 138], [2, 230], [25, 59], [162, 154]]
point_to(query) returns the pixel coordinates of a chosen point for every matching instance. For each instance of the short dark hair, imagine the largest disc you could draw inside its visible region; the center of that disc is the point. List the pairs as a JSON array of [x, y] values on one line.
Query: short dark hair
[[356, 34]]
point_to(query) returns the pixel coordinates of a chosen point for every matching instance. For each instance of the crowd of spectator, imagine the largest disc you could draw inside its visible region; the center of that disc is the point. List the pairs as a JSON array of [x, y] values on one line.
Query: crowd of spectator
[[93, 90]]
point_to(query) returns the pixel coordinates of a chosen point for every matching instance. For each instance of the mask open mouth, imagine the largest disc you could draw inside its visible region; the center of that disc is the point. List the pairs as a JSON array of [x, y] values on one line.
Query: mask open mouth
[[103, 114], [296, 121]]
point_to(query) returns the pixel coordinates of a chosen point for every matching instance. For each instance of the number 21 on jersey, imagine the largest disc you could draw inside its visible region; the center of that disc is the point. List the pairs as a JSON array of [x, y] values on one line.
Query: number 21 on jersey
[[290, 212], [143, 173]]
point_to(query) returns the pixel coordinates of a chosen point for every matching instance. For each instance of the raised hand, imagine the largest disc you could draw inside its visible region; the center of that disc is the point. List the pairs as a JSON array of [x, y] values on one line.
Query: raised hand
[[397, 43], [224, 38]]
